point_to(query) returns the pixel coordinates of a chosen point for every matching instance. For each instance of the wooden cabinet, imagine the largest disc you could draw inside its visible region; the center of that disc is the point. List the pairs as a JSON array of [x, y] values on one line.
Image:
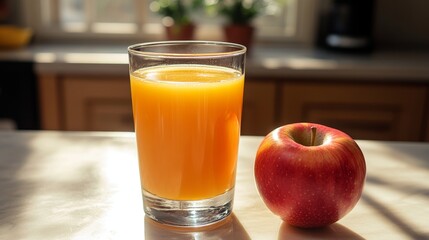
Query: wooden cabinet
[[85, 103], [97, 104], [365, 111], [379, 111], [258, 117], [104, 104]]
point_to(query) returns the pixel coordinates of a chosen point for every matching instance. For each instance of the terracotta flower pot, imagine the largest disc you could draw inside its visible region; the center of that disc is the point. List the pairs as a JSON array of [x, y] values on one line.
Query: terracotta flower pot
[[180, 32], [242, 34]]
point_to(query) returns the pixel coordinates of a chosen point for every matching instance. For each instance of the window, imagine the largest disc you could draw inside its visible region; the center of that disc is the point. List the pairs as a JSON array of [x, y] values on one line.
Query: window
[[132, 19]]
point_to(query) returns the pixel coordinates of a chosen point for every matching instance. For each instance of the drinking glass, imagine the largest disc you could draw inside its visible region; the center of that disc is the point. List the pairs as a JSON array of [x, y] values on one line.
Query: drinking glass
[[187, 102]]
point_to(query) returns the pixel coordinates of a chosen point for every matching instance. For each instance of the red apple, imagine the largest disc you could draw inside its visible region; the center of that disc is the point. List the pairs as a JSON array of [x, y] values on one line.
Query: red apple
[[309, 174]]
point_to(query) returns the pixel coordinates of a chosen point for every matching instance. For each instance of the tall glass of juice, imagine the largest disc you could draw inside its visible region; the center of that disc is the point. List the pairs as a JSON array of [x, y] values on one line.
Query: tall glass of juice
[[187, 100]]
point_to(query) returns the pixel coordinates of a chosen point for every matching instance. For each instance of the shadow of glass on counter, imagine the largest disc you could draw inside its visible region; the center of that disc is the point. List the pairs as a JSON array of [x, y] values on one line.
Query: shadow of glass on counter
[[333, 231], [228, 229]]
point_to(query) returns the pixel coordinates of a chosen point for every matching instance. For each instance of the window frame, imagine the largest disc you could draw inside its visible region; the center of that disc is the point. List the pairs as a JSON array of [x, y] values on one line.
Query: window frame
[[49, 29]]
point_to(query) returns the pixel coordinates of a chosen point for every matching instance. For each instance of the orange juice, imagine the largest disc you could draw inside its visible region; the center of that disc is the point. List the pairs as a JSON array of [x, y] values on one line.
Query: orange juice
[[187, 122]]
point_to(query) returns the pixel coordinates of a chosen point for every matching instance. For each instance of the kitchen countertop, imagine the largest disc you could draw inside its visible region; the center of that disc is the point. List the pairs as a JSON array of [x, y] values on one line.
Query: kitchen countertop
[[85, 185], [264, 61]]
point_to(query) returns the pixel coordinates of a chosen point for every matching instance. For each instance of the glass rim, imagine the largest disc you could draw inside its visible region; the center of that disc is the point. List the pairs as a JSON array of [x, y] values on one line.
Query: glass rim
[[135, 49]]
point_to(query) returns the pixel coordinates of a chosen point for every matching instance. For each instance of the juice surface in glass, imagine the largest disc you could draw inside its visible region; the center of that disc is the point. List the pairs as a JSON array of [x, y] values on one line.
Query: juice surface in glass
[[187, 122]]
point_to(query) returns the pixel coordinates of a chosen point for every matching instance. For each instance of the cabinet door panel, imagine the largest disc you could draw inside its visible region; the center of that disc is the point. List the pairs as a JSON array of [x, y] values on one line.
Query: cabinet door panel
[[107, 114], [97, 104], [364, 111], [258, 108]]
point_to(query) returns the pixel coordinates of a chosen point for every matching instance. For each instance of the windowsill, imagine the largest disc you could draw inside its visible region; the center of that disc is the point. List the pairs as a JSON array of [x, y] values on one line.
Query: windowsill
[[274, 61]]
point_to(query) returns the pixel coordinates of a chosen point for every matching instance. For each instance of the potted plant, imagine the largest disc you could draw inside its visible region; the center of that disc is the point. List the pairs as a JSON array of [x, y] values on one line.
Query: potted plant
[[177, 17], [239, 16]]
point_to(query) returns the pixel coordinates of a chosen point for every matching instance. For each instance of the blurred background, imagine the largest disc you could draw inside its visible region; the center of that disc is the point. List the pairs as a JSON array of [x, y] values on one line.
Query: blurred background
[[360, 66]]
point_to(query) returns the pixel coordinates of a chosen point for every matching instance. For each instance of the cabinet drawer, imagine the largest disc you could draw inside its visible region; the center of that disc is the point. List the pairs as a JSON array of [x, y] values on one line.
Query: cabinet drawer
[[377, 112]]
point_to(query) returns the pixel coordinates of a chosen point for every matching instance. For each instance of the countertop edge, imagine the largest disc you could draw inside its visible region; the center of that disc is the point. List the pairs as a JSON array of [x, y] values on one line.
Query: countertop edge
[[264, 61]]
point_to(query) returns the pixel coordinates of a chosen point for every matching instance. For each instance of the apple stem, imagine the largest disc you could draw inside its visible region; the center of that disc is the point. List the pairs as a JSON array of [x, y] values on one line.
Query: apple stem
[[313, 135]]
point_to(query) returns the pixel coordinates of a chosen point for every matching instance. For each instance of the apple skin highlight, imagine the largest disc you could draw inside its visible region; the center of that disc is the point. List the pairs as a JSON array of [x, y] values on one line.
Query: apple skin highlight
[[309, 186]]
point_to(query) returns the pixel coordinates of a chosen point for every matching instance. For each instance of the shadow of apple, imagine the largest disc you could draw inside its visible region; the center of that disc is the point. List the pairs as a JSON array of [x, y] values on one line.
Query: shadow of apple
[[333, 231]]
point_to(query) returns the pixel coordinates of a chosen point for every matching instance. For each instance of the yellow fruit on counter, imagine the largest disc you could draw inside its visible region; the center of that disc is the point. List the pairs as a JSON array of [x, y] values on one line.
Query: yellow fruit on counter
[[13, 36]]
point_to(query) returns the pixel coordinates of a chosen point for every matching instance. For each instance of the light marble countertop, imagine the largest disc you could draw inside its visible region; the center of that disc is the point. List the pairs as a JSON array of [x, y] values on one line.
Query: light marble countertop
[[264, 61], [84, 185]]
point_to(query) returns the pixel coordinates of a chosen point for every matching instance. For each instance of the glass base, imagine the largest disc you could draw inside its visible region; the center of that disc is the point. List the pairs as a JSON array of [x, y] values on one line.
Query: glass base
[[188, 213]]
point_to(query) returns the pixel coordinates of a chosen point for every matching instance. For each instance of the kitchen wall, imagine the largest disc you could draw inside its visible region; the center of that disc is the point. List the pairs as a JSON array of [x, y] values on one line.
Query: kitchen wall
[[402, 24], [397, 23]]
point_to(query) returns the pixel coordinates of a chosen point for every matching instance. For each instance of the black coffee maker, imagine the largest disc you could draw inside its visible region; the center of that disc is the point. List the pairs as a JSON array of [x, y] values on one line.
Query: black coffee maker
[[346, 25]]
